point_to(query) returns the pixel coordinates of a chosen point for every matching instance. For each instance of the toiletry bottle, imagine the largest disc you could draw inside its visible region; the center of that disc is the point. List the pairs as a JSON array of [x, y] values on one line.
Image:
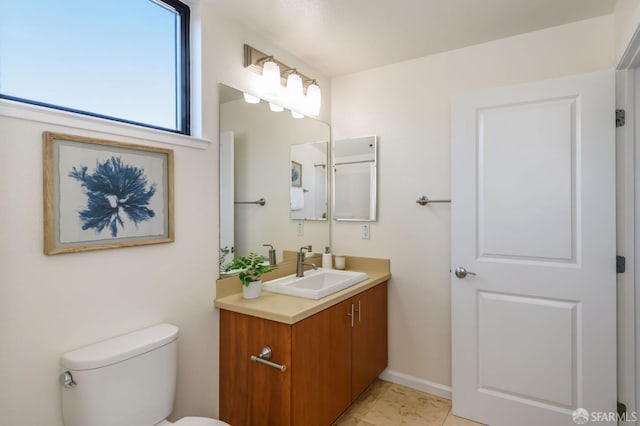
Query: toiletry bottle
[[326, 258]]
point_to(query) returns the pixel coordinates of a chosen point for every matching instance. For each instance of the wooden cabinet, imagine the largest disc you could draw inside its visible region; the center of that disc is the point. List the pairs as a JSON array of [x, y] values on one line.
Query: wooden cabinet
[[321, 366], [250, 393], [368, 338], [331, 357]]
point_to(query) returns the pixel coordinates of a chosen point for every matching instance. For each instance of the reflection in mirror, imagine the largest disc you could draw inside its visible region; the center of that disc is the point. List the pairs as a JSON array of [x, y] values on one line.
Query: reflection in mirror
[[354, 179], [255, 164], [309, 180]]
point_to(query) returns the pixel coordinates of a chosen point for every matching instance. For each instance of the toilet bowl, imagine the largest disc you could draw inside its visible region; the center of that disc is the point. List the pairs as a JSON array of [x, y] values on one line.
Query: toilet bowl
[[126, 380], [194, 421]]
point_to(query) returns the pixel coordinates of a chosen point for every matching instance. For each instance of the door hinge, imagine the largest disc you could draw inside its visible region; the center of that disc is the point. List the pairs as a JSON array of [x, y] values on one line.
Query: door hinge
[[622, 410], [620, 116], [620, 264]]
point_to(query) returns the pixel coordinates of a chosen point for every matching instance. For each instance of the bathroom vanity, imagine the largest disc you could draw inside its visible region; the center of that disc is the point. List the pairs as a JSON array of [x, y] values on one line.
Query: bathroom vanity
[[331, 350]]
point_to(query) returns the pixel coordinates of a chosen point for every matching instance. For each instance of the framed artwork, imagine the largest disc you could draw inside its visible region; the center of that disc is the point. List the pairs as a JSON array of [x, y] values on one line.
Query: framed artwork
[[296, 174], [101, 194]]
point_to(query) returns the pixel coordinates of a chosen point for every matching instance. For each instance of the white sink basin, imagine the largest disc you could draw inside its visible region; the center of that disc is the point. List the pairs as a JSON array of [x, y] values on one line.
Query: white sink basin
[[315, 284]]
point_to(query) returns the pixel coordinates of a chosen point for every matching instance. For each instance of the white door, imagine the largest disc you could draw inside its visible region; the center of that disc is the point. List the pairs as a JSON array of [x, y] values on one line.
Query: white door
[[533, 216], [227, 195]]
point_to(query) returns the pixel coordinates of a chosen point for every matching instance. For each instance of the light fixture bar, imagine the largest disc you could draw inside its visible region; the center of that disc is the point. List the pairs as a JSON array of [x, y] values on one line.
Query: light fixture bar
[[253, 60]]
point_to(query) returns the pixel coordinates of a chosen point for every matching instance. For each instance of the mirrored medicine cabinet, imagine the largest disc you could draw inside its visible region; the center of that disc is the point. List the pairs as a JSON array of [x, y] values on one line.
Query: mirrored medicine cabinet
[[355, 163]]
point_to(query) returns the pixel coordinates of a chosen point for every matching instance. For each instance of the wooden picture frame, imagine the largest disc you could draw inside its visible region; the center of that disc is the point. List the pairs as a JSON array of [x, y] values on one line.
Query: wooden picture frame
[[296, 174], [101, 194]]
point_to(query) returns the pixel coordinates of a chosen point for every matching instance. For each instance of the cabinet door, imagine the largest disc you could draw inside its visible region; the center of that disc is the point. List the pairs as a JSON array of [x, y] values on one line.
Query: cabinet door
[[321, 369], [368, 338], [253, 393]]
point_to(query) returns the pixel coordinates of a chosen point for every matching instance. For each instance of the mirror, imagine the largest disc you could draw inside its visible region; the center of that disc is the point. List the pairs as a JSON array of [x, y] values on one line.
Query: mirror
[[309, 180], [355, 163], [257, 149]]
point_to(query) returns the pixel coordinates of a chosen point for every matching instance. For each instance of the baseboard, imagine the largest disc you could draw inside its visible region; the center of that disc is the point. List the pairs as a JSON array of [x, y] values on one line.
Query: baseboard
[[416, 383]]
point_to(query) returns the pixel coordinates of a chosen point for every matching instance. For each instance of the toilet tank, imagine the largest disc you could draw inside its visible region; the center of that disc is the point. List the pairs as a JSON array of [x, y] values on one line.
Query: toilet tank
[[125, 381]]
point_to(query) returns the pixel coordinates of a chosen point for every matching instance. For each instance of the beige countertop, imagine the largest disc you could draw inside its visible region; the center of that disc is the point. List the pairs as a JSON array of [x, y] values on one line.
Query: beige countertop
[[290, 309]]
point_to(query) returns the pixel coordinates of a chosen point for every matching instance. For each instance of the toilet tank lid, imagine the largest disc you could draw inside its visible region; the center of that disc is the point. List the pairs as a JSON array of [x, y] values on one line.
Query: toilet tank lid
[[119, 348]]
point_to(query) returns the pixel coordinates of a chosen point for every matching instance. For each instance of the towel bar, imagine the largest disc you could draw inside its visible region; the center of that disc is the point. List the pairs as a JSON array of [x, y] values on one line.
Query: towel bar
[[261, 201], [423, 201], [265, 355]]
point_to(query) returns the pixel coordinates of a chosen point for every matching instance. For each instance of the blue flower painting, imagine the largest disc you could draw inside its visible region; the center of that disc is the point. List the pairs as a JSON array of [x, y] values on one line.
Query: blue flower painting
[[115, 191]]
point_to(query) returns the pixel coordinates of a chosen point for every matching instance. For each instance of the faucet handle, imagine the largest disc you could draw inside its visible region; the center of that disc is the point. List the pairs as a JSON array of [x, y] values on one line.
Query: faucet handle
[[308, 248], [272, 254]]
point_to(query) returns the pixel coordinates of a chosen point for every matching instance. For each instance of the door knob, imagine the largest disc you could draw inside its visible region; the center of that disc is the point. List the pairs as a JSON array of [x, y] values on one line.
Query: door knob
[[461, 272]]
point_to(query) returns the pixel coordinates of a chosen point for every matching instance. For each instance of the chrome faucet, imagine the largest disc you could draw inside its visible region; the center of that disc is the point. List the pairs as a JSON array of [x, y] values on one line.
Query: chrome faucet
[[272, 254], [301, 263]]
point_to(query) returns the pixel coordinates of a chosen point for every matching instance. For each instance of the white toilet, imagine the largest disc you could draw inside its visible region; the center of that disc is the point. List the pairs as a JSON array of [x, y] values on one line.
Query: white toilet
[[125, 381]]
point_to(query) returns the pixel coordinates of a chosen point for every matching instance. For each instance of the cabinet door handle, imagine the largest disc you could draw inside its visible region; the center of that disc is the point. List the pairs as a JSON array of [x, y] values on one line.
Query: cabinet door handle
[[351, 315], [359, 310]]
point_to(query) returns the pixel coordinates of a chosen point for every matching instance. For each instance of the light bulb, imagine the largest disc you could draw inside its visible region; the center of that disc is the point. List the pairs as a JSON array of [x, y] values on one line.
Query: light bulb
[[275, 107], [294, 90], [314, 99], [270, 78], [250, 99]]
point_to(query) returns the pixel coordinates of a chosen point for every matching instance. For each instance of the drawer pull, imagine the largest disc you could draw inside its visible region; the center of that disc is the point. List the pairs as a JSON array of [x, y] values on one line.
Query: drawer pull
[[265, 356]]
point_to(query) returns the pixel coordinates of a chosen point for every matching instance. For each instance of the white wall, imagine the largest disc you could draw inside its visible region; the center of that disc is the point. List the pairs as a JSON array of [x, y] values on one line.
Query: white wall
[[52, 304], [408, 106]]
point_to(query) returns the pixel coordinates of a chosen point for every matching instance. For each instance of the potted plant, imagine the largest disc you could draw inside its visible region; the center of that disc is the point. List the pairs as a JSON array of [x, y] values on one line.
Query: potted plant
[[252, 268]]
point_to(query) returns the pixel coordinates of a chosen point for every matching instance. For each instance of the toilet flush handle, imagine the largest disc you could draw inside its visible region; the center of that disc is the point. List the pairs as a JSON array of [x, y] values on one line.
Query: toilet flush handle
[[66, 380]]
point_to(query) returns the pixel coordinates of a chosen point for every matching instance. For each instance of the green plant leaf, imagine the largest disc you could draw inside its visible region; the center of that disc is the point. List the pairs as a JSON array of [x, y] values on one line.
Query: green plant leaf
[[253, 267]]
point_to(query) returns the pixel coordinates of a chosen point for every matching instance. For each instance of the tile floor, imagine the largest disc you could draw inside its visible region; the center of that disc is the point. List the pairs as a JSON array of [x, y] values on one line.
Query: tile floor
[[388, 404]]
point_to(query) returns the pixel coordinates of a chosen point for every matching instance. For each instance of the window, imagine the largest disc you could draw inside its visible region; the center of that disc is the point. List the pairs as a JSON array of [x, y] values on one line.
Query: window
[[125, 60]]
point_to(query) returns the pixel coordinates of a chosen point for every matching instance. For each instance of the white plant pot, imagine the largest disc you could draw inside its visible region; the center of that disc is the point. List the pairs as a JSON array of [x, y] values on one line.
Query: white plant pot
[[252, 291]]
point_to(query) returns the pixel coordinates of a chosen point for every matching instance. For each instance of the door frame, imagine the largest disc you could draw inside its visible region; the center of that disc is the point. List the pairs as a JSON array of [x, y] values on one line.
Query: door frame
[[628, 216]]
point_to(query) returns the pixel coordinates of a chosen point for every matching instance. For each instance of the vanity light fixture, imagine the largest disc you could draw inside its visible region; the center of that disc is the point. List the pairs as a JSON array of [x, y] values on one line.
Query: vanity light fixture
[[295, 83]]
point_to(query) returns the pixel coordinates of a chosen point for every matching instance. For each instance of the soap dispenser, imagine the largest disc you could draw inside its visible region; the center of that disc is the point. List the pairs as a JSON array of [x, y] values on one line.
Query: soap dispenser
[[326, 258]]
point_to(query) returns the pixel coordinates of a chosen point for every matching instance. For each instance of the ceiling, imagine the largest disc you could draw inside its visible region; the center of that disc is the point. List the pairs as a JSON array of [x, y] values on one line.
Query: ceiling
[[344, 36]]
